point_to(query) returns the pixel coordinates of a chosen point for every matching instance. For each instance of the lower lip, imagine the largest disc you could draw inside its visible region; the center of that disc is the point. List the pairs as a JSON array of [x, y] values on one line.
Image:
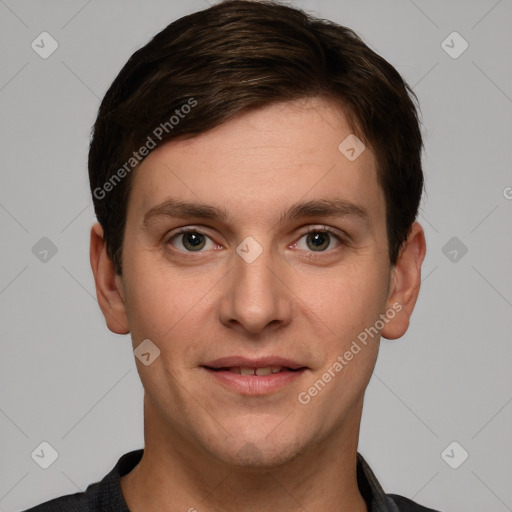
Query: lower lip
[[255, 384]]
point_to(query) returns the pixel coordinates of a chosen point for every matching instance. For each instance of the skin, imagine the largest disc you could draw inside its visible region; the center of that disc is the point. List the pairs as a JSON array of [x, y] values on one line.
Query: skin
[[206, 446]]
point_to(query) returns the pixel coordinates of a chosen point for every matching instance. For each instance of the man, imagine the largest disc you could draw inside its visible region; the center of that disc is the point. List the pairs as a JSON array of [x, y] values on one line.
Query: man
[[256, 175]]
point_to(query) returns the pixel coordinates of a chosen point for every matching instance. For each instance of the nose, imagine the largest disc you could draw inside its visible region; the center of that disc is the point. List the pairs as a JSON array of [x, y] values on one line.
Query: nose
[[256, 298]]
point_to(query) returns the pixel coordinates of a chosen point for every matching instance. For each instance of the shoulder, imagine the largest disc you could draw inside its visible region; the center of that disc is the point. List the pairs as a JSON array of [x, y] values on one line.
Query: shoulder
[[78, 502], [407, 505], [105, 495]]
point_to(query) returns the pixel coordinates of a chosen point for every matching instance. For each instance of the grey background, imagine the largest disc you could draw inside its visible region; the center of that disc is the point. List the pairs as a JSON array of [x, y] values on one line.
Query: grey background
[[67, 380]]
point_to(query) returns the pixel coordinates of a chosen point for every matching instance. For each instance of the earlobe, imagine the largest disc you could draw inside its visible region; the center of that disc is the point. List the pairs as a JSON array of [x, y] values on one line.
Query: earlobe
[[109, 290], [405, 283]]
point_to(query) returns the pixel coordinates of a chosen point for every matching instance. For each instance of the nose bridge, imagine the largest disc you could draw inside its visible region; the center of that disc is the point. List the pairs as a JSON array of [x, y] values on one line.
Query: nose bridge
[[256, 297]]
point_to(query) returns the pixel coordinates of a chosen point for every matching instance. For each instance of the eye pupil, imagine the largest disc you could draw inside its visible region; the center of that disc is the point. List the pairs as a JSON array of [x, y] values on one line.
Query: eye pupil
[[318, 240], [193, 241]]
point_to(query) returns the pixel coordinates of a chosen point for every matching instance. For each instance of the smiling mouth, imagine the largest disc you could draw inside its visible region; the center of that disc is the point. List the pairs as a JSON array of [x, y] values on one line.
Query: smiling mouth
[[261, 372]]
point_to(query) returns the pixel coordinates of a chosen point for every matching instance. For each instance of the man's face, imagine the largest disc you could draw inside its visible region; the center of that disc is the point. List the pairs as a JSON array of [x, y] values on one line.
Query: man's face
[[252, 289]]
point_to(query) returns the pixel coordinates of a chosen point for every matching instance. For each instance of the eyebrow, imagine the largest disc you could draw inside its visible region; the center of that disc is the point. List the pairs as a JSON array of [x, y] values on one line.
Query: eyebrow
[[316, 208], [325, 208]]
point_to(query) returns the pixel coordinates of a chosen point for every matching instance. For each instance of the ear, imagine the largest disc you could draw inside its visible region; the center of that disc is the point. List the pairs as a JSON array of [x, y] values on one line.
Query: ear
[[405, 283], [109, 286]]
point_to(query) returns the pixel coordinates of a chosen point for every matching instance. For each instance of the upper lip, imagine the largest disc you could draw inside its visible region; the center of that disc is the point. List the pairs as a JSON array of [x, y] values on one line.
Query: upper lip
[[245, 362]]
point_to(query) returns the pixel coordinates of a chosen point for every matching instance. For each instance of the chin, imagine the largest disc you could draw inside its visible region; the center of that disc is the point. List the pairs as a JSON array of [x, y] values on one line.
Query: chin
[[253, 456], [258, 450]]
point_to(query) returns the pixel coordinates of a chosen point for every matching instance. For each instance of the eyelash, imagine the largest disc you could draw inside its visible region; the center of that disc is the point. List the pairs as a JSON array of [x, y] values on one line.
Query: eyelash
[[322, 229]]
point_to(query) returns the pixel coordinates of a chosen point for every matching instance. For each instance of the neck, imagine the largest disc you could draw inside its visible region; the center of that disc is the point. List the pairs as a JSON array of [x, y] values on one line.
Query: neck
[[175, 475]]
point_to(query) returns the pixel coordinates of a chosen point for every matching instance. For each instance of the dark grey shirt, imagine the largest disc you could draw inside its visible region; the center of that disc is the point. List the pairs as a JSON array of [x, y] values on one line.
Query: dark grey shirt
[[106, 495]]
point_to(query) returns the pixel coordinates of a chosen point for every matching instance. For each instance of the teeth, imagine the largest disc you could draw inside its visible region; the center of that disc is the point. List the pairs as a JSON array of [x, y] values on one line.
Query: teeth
[[241, 370], [263, 371]]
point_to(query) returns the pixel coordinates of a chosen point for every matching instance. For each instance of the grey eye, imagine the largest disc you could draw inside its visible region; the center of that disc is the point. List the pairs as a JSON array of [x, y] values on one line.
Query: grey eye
[[318, 240], [193, 241]]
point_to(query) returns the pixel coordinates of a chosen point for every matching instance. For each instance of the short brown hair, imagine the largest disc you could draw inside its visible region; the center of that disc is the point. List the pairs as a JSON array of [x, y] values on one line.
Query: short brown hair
[[241, 55]]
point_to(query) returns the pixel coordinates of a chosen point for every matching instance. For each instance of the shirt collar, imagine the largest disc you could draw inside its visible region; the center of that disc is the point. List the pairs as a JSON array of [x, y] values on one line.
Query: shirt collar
[[369, 486], [372, 491]]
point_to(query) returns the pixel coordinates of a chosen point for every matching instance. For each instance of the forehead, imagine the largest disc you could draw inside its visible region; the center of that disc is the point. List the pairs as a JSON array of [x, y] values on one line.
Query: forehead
[[262, 161]]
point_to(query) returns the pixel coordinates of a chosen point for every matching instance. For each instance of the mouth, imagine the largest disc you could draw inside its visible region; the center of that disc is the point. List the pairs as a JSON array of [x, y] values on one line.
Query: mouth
[[255, 371], [255, 377]]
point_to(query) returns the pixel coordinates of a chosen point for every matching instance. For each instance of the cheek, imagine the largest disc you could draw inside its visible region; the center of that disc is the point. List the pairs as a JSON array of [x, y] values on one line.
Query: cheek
[[346, 306], [169, 307], [346, 299], [152, 301]]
